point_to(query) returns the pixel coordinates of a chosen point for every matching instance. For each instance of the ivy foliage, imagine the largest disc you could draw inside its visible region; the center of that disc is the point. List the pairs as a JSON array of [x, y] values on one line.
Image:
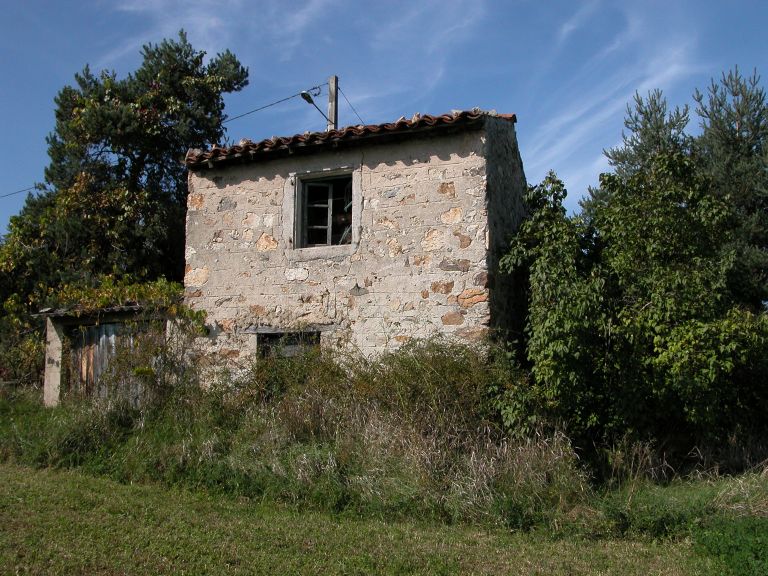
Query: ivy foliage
[[635, 324], [565, 317], [159, 296]]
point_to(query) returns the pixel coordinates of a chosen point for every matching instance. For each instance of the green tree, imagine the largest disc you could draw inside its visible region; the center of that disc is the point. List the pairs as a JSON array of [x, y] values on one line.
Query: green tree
[[115, 190], [664, 235], [640, 317], [116, 184], [651, 128], [732, 151]]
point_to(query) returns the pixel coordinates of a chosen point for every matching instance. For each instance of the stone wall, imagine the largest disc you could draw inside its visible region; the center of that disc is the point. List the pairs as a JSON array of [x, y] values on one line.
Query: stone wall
[[505, 186], [418, 264]]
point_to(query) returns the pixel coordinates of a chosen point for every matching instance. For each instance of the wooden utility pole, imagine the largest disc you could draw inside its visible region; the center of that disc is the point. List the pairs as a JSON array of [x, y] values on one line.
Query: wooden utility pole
[[333, 103]]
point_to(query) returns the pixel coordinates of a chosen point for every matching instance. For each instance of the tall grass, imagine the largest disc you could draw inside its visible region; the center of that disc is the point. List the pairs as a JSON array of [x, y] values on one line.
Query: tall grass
[[413, 433]]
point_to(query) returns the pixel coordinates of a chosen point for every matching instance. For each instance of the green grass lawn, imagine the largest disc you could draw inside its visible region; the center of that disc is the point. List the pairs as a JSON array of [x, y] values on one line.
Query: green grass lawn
[[65, 522]]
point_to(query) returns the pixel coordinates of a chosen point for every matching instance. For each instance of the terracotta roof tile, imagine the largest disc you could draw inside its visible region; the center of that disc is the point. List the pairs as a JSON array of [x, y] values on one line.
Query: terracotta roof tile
[[248, 150]]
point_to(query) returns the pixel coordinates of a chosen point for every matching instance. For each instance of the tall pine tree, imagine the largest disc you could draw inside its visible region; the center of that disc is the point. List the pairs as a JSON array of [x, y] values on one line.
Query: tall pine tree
[[116, 186], [732, 151], [115, 190]]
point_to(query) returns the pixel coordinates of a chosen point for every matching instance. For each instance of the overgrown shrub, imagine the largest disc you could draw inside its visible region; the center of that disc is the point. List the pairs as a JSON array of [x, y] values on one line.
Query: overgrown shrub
[[739, 543], [414, 433], [22, 349]]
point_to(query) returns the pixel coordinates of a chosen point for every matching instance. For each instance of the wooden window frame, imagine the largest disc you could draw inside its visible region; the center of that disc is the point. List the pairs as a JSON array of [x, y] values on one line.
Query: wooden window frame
[[336, 233], [292, 211]]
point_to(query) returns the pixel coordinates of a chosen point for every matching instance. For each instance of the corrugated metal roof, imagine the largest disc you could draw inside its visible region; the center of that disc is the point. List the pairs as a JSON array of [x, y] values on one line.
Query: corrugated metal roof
[[248, 151]]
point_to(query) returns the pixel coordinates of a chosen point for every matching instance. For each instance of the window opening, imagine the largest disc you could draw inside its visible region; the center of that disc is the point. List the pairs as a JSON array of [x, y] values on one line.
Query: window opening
[[326, 212], [286, 344]]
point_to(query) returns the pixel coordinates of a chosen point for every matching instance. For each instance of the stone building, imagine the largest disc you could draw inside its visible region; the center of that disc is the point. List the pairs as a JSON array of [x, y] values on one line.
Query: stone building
[[366, 236]]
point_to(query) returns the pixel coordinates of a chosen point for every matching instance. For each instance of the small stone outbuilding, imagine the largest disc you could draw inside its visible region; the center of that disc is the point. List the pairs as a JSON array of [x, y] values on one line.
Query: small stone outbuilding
[[366, 236]]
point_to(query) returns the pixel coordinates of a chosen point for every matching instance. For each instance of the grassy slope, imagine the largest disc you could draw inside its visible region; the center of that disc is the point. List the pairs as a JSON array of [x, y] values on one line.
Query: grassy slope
[[64, 522]]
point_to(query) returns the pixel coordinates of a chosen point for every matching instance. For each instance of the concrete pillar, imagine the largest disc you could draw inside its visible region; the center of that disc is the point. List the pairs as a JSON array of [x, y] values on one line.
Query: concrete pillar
[[54, 335]]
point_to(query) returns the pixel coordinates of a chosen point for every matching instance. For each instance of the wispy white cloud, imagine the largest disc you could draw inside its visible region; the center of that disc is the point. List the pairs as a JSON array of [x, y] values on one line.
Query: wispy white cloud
[[551, 52], [562, 139], [127, 47], [669, 68], [288, 28], [627, 36], [407, 46], [432, 26], [206, 22], [579, 18], [413, 47], [640, 58]]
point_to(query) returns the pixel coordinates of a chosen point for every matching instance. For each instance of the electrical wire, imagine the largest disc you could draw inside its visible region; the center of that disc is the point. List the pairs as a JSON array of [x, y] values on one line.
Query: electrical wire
[[18, 192], [311, 90], [350, 105], [315, 91]]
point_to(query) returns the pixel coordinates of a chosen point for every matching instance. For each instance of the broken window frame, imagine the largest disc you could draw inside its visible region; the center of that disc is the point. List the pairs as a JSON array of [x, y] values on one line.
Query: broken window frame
[[332, 211]]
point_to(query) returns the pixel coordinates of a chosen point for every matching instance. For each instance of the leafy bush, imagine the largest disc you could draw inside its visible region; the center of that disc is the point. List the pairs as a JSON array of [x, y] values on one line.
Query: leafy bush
[[739, 543], [646, 313], [632, 331], [647, 509], [22, 351]]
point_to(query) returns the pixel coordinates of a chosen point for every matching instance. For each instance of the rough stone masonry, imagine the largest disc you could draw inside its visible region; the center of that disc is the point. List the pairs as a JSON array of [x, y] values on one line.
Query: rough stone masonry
[[434, 200]]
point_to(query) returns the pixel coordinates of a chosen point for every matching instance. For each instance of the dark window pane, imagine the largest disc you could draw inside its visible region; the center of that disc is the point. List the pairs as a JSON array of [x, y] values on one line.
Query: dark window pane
[[317, 236], [330, 198], [286, 344], [317, 194], [341, 228], [317, 216]]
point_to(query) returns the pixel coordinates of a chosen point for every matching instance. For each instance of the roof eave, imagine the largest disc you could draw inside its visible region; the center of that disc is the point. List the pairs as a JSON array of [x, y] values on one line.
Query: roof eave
[[311, 142], [301, 148]]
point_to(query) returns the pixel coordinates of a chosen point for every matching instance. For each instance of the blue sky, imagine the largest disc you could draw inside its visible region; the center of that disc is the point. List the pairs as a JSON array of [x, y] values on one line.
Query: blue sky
[[566, 68]]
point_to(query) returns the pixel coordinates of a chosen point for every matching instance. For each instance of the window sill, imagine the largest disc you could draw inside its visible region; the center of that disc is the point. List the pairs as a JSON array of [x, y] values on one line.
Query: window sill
[[321, 252]]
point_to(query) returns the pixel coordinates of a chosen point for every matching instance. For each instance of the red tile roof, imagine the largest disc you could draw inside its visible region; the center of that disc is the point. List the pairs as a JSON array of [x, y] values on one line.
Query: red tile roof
[[247, 151]]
